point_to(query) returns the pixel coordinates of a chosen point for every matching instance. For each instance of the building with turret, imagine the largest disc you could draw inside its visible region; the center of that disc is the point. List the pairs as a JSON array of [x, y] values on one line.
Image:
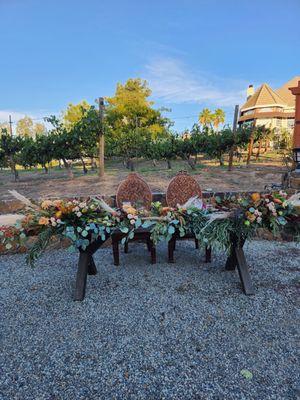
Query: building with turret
[[274, 109]]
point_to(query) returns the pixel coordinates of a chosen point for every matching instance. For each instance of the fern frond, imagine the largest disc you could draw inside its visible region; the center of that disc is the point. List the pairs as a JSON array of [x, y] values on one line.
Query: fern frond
[[40, 245]]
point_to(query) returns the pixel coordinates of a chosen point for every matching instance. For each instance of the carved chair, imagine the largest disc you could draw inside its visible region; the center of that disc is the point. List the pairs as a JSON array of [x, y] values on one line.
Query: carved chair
[[133, 189], [180, 189]]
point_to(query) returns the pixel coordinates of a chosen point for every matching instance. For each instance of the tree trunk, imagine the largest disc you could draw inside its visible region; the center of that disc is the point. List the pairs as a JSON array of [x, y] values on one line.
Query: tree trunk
[[258, 150], [154, 163], [169, 164], [59, 164], [68, 168], [230, 158], [85, 171], [250, 148], [191, 163], [267, 145], [131, 165], [45, 168], [221, 161], [14, 169], [93, 164]]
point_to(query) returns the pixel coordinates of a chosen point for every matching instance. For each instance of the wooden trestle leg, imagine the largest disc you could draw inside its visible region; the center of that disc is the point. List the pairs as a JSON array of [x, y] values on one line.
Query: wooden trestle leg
[[83, 266], [237, 259]]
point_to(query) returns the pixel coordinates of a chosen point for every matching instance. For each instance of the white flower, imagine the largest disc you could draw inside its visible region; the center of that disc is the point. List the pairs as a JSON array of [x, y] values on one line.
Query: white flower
[[58, 221], [130, 216], [259, 219], [82, 205], [132, 221], [79, 214], [53, 223], [76, 209]]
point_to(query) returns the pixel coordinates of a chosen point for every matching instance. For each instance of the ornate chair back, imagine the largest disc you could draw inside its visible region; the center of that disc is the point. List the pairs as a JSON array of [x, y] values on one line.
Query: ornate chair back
[[134, 190], [181, 188]]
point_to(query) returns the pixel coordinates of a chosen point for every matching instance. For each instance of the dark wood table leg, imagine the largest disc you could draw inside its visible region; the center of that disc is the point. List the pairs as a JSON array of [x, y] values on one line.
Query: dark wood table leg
[[126, 247], [115, 246], [231, 261], [153, 252], [243, 271], [148, 244], [83, 265], [237, 259], [92, 270], [207, 254], [171, 248]]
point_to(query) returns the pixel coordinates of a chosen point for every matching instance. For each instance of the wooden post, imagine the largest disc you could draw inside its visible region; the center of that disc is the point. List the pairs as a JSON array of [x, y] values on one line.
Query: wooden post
[[10, 125], [251, 143], [235, 120], [101, 137]]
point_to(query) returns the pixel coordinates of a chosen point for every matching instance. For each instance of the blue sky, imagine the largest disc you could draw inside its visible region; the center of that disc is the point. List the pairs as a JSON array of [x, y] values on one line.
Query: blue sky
[[194, 53]]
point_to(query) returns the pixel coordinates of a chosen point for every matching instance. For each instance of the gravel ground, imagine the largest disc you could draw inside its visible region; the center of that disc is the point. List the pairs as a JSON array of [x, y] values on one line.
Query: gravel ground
[[179, 331]]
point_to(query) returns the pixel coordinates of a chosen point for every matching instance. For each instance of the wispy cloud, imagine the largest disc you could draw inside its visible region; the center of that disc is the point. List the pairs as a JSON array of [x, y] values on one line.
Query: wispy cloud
[[173, 82], [37, 115]]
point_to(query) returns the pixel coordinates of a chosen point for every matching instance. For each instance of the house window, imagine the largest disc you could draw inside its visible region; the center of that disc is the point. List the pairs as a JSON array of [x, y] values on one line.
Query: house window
[[290, 123]]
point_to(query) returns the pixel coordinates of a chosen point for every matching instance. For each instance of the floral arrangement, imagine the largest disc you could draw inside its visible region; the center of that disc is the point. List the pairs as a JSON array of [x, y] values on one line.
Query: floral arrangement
[[213, 222]]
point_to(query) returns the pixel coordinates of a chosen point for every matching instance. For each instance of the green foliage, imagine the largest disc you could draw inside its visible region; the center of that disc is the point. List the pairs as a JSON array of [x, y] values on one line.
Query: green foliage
[[131, 121], [40, 245], [75, 113]]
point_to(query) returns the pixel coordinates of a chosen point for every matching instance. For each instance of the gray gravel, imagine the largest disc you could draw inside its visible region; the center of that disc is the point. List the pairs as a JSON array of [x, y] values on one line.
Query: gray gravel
[[181, 331]]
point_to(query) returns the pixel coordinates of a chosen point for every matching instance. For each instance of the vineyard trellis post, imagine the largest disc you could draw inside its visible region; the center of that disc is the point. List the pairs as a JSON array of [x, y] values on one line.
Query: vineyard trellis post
[[235, 120], [101, 137]]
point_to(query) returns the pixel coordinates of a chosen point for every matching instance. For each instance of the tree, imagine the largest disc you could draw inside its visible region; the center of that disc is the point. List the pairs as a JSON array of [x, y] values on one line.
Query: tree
[[45, 151], [130, 118], [63, 145], [218, 118], [74, 113], [28, 154], [206, 117], [25, 127], [10, 148], [39, 129]]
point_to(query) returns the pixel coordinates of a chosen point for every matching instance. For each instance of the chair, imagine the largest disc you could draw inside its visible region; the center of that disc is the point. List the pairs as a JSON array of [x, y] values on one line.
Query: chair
[[136, 191], [181, 188]]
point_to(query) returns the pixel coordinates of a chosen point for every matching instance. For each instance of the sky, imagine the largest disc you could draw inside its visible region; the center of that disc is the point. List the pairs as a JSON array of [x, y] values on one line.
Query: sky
[[193, 53]]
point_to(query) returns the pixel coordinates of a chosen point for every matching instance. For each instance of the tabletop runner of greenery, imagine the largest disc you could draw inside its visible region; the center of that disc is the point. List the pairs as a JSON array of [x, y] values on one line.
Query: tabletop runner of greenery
[[212, 222]]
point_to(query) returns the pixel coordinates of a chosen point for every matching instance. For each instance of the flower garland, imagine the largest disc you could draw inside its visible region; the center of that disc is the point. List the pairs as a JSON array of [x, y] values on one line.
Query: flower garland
[[212, 223]]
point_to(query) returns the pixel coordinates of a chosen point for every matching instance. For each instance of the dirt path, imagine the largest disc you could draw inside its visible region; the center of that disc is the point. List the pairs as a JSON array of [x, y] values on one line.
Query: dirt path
[[56, 183]]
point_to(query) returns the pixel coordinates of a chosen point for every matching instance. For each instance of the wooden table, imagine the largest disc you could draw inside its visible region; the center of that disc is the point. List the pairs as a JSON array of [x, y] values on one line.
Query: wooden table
[[86, 266]]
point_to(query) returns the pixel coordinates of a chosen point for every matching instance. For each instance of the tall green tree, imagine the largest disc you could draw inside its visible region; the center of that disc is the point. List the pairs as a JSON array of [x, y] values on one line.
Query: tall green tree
[[25, 127], [10, 148], [74, 113], [130, 114]]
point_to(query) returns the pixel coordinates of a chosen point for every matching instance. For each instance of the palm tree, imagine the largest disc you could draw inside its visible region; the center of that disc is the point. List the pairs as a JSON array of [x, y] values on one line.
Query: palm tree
[[218, 118], [206, 117]]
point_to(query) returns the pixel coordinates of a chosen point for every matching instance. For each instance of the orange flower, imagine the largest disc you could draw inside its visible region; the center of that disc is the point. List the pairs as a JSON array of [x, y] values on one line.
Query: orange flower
[[43, 221], [58, 203], [255, 197], [46, 204], [165, 210], [129, 209], [278, 201]]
